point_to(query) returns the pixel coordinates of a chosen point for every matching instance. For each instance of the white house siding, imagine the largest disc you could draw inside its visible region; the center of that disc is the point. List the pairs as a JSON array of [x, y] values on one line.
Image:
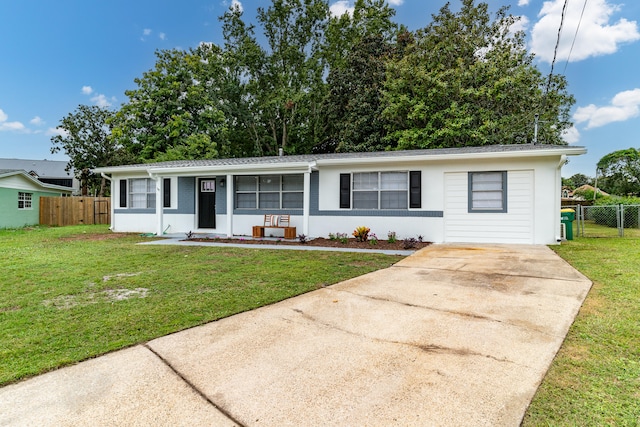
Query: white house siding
[[514, 226]]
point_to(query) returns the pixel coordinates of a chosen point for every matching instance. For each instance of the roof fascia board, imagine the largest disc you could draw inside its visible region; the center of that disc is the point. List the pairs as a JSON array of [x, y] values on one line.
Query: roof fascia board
[[573, 151]]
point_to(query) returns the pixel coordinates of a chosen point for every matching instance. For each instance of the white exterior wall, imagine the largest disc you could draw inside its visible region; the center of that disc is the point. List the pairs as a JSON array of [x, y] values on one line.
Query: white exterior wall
[[532, 215]]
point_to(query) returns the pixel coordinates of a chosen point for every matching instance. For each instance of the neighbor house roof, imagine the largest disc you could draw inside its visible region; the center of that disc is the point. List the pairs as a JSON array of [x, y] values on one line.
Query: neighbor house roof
[[314, 160], [42, 168], [5, 173]]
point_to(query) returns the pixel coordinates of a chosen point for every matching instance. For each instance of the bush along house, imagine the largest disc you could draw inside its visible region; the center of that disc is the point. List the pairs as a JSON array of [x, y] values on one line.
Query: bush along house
[[489, 194]]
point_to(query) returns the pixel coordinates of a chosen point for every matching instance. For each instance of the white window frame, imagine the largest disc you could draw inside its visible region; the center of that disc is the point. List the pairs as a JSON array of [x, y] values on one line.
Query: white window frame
[[258, 189], [149, 194], [358, 188], [25, 201]]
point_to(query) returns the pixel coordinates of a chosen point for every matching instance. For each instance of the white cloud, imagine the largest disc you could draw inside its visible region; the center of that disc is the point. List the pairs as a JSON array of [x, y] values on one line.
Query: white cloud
[[341, 7], [98, 99], [57, 131], [596, 36], [395, 2], [37, 121], [623, 106], [146, 32], [101, 101], [5, 125], [237, 5], [522, 24], [523, 2], [162, 36], [571, 135]]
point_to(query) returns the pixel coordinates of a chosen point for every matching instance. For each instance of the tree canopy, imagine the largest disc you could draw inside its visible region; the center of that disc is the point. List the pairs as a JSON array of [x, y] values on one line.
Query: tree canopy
[[85, 139], [302, 80], [620, 172]]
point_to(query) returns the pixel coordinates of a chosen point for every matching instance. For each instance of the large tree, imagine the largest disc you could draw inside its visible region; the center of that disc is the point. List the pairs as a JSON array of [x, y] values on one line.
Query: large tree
[[176, 109], [85, 139], [620, 172], [469, 80], [290, 86], [352, 107]]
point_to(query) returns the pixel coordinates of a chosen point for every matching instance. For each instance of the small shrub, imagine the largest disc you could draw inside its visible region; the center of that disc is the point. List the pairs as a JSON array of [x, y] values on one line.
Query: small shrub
[[190, 235], [361, 233], [342, 237], [332, 236], [420, 238], [373, 239], [409, 243], [391, 237], [302, 238]]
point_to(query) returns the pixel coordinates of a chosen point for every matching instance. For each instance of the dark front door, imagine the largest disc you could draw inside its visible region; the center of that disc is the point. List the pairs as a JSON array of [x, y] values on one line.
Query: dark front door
[[207, 203]]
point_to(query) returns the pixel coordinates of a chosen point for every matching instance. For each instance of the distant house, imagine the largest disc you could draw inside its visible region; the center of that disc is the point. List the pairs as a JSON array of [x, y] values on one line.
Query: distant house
[[490, 194], [46, 171], [20, 197]]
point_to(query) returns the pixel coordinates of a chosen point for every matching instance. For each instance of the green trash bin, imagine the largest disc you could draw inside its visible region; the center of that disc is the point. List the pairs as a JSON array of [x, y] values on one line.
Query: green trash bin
[[567, 216]]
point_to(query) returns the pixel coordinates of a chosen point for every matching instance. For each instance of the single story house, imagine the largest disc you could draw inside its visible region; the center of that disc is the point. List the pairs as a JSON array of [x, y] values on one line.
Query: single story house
[[491, 194], [20, 197], [47, 171]]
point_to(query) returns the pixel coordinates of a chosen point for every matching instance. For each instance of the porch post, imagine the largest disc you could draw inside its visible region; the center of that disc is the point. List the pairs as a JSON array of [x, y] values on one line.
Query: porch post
[[230, 191], [159, 205], [306, 203]]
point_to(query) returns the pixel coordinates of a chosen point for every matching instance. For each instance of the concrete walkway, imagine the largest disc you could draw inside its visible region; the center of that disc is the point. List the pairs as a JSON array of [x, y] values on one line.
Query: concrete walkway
[[453, 335]]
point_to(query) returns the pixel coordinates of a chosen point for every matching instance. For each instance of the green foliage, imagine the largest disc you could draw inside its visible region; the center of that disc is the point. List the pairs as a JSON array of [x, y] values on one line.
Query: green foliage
[[175, 110], [604, 211], [620, 172], [86, 141], [361, 233], [468, 80], [345, 83]]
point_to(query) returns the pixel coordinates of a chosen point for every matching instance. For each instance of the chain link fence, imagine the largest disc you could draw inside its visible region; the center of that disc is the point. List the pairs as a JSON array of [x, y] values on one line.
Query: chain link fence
[[607, 221]]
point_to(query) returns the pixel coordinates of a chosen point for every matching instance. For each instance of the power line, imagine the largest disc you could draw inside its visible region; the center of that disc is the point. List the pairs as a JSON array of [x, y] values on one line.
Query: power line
[[575, 36], [555, 51]]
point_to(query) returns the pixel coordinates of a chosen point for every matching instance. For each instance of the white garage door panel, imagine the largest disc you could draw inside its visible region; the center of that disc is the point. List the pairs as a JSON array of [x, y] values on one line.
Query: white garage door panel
[[514, 226]]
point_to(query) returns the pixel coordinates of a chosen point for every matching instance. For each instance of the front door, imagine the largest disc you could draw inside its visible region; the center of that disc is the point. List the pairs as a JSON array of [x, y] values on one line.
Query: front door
[[207, 203]]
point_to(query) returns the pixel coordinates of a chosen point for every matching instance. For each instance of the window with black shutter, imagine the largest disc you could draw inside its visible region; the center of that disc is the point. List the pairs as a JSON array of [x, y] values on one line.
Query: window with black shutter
[[123, 193], [166, 192], [415, 189], [345, 190]]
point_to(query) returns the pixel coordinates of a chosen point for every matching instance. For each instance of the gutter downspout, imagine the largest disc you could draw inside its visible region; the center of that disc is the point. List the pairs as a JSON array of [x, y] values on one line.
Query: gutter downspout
[[113, 202], [159, 204], [558, 204]]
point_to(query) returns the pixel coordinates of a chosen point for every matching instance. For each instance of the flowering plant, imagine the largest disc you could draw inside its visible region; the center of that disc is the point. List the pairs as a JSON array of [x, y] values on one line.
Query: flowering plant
[[361, 233], [373, 239]]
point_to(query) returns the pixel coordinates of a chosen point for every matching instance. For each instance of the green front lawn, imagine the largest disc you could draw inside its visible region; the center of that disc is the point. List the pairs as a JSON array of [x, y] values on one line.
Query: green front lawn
[[595, 378], [72, 293]]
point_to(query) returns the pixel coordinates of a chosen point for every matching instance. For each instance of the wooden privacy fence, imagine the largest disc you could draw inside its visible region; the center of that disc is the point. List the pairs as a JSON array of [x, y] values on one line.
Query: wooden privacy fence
[[63, 211]]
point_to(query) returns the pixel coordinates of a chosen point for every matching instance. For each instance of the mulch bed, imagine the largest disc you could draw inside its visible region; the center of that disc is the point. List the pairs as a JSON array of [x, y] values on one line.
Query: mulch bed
[[322, 242]]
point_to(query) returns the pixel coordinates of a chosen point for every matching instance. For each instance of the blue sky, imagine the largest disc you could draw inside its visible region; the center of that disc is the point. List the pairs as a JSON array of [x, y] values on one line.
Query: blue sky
[[57, 55]]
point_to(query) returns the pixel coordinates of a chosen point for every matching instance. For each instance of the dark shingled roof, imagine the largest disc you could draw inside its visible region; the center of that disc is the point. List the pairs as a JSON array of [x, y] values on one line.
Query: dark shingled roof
[[336, 156]]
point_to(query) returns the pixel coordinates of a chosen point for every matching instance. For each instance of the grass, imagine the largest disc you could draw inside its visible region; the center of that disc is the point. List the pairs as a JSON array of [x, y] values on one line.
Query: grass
[[595, 378], [72, 293]]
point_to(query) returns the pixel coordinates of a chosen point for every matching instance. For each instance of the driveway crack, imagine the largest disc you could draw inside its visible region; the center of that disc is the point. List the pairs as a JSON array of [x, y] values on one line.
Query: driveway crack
[[193, 387], [428, 348]]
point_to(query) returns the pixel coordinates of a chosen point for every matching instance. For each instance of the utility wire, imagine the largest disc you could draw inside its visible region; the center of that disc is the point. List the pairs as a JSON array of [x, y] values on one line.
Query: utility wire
[[575, 36], [555, 54]]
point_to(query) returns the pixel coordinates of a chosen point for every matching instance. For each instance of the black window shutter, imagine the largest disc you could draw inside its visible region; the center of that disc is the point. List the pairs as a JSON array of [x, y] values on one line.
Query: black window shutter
[[123, 193], [345, 190], [166, 192], [415, 189]]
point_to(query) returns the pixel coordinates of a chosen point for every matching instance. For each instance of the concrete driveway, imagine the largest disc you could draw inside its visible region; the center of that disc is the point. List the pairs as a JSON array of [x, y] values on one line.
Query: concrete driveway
[[453, 335]]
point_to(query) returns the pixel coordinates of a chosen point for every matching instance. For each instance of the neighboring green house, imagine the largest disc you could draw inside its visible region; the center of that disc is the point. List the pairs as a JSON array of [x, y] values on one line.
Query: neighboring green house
[[20, 197]]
